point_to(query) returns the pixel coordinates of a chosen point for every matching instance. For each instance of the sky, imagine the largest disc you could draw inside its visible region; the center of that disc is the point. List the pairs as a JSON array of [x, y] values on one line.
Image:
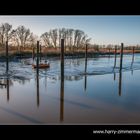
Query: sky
[[102, 29]]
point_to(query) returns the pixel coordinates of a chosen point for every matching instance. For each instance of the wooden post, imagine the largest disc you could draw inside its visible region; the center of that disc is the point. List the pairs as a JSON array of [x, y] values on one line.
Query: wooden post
[[37, 73], [86, 55], [120, 72], [115, 52], [62, 58], [73, 48], [133, 52], [37, 61], [121, 56], [40, 52], [33, 53], [86, 67], [7, 58], [109, 52], [62, 82]]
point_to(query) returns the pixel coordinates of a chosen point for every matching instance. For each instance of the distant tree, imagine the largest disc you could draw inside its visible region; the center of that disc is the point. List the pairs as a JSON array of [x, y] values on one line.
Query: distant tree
[[96, 47], [46, 38], [72, 38], [22, 36], [54, 36], [5, 32], [32, 40]]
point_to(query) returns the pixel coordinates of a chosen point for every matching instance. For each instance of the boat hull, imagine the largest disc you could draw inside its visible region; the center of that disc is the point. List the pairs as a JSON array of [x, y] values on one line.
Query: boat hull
[[41, 66]]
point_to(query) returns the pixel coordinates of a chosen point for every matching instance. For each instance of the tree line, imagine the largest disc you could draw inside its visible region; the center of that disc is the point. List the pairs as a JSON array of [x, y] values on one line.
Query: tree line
[[23, 37]]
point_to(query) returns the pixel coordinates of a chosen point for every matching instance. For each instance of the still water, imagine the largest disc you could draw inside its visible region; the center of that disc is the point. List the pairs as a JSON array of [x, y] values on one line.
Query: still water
[[100, 95]]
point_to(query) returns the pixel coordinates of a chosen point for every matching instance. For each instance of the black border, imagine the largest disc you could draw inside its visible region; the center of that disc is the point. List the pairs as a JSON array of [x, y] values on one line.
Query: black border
[[66, 8], [70, 7]]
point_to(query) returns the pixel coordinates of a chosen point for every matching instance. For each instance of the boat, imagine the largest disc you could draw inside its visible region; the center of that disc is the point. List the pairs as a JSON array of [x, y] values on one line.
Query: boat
[[41, 66]]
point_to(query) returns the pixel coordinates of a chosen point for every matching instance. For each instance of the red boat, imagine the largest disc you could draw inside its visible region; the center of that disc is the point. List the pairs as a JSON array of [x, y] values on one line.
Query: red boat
[[41, 66]]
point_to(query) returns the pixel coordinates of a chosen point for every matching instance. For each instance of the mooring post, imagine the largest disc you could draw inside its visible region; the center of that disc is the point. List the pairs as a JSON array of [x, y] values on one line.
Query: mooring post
[[33, 53], [62, 59], [7, 58], [121, 56], [120, 72], [133, 52], [86, 66], [40, 52], [62, 82], [109, 52], [86, 56], [37, 61], [37, 73], [115, 52]]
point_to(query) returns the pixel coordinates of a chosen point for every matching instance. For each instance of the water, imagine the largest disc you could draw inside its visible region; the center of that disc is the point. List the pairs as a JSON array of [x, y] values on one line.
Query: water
[[99, 95]]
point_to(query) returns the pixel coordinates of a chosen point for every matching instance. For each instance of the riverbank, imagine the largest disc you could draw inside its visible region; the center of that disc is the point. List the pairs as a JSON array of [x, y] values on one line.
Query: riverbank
[[55, 52]]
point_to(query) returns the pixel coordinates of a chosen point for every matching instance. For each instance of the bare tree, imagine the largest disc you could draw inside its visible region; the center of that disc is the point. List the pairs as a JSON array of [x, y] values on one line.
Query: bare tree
[[54, 36], [5, 32], [72, 38], [46, 39], [22, 35], [60, 36], [32, 39]]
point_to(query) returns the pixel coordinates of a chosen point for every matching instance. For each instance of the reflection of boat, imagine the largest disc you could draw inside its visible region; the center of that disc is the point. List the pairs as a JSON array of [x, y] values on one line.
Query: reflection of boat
[[41, 66]]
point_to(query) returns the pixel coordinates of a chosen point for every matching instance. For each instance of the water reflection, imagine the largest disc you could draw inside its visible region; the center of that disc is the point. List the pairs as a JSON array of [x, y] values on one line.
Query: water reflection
[[4, 83], [131, 71], [114, 75], [7, 84], [37, 89], [62, 99], [132, 58], [62, 83], [85, 85], [120, 82], [72, 78]]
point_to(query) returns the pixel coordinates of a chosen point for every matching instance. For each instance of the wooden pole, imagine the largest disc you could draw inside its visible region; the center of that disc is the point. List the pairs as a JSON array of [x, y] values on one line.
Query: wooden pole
[[62, 58], [133, 52], [121, 56], [7, 58], [62, 82], [86, 56], [37, 61], [33, 53], [109, 52], [86, 67], [37, 73], [120, 72], [40, 52], [115, 52]]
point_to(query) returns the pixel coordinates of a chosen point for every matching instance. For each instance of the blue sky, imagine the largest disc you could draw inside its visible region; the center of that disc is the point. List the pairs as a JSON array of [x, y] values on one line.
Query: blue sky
[[102, 29]]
